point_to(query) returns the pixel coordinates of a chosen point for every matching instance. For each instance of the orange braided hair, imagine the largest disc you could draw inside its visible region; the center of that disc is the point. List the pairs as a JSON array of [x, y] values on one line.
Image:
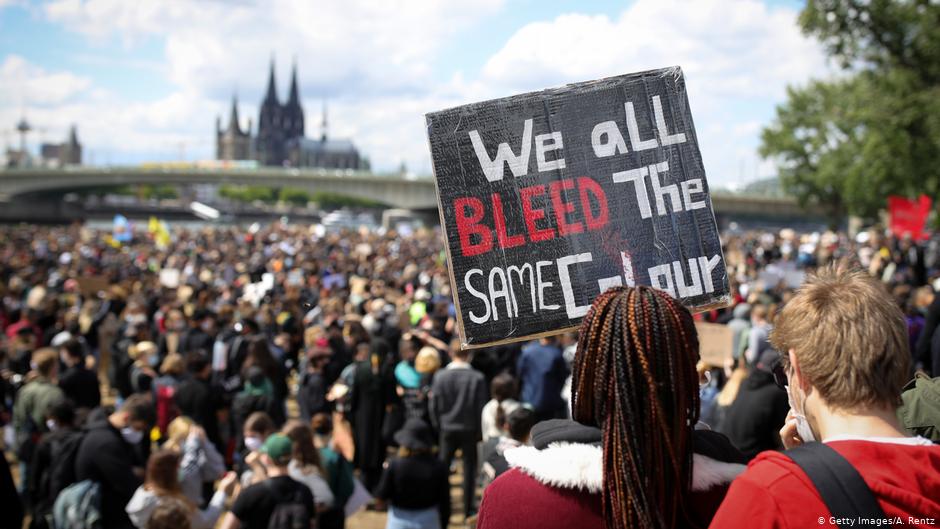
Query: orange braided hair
[[634, 377]]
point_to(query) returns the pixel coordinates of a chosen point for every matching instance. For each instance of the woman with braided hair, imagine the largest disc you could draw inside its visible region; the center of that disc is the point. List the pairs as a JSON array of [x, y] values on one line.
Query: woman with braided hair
[[633, 459]]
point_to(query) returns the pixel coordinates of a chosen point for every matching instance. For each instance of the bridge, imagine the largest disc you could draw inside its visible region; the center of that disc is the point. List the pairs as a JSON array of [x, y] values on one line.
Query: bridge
[[393, 189]]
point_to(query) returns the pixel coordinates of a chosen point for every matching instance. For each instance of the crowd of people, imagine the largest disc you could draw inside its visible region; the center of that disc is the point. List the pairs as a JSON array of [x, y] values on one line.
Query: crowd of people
[[285, 375]]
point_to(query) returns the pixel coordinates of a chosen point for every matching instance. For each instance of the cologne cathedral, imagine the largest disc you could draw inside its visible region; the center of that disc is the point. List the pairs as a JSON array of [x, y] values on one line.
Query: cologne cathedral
[[280, 140]]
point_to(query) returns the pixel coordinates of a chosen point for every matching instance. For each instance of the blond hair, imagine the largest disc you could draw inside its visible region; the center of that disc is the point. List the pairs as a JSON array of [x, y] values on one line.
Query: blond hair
[[850, 338], [176, 433]]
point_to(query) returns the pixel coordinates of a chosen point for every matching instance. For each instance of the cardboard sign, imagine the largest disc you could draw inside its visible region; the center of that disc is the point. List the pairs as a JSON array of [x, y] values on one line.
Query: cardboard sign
[[90, 286], [549, 198], [715, 343], [909, 217]]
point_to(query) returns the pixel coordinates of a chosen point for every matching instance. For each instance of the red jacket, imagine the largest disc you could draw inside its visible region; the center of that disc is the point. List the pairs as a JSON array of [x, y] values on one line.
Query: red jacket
[[559, 488], [775, 492]]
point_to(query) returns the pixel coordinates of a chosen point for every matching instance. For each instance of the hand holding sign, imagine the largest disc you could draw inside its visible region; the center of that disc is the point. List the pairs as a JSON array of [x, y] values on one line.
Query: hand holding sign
[[549, 198]]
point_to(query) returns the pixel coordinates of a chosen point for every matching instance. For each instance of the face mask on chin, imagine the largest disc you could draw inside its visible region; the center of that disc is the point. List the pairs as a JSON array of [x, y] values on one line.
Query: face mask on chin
[[802, 425]]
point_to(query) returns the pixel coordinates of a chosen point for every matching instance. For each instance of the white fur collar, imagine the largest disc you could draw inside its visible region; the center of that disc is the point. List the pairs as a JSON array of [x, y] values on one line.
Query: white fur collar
[[580, 466]]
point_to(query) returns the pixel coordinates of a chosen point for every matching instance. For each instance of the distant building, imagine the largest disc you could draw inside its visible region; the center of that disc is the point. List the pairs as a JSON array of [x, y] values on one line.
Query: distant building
[[62, 154], [280, 139]]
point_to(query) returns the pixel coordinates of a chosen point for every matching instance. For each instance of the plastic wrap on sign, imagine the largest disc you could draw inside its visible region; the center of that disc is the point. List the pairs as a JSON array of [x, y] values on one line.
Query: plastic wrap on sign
[[549, 198]]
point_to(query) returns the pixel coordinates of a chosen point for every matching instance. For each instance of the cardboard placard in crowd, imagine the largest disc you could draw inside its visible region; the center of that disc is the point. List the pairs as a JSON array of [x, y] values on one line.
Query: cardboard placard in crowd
[[715, 343], [551, 197], [92, 285]]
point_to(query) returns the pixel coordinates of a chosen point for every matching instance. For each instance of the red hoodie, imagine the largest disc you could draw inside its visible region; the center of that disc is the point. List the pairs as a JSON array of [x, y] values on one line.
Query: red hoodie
[[775, 492]]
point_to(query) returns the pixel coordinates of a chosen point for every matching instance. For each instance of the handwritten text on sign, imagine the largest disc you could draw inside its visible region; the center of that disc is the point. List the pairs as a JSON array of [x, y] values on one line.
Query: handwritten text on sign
[[549, 198]]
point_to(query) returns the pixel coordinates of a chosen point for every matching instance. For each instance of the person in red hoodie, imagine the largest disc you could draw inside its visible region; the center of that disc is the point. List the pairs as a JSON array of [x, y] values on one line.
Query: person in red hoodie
[[634, 459], [846, 358]]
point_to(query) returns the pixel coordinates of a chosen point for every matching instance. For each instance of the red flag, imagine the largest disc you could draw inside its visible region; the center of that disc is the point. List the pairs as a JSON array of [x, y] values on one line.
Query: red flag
[[909, 217]]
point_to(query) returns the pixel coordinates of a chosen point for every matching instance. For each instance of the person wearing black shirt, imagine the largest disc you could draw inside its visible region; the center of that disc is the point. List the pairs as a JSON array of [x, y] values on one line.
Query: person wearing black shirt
[[79, 383], [108, 455], [196, 398], [255, 506], [414, 484]]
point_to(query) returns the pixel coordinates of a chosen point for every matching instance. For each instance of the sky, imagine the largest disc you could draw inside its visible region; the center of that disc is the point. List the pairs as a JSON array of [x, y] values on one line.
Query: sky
[[145, 80]]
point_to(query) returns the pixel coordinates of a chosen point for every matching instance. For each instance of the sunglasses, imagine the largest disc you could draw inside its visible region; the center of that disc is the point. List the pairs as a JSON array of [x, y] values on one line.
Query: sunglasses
[[780, 376]]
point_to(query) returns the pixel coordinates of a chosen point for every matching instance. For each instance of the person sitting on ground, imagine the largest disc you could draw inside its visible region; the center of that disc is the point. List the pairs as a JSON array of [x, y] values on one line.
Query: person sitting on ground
[[414, 484], [278, 500], [515, 428], [109, 456], [201, 463], [844, 347], [634, 378], [163, 482]]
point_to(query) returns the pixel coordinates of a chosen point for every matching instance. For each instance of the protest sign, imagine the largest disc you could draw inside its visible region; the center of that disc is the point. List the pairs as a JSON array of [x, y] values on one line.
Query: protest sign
[[909, 217], [551, 197], [91, 286], [714, 343]]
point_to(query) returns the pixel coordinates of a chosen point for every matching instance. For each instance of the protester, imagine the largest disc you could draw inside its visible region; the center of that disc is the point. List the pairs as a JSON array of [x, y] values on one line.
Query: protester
[[338, 470], [109, 456], [542, 374], [369, 394], [276, 502], [515, 429], [33, 403], [162, 483], [197, 399], [201, 464], [50, 469], [458, 395], [846, 359], [635, 378], [753, 420], [414, 484], [503, 391], [79, 384], [256, 429], [305, 465]]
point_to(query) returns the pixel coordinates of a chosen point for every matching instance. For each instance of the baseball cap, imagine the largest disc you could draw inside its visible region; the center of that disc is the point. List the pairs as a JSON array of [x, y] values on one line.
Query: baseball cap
[[278, 447]]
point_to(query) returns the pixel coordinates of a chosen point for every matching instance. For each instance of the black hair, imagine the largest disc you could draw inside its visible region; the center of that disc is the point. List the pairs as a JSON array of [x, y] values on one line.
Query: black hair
[[520, 423], [196, 361], [63, 413], [140, 408]]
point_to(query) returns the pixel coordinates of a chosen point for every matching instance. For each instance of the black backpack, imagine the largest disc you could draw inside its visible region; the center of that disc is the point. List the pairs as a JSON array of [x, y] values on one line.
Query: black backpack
[[290, 512]]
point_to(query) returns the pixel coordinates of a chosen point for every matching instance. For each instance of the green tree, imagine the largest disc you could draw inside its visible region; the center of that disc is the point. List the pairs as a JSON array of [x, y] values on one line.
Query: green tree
[[847, 144]]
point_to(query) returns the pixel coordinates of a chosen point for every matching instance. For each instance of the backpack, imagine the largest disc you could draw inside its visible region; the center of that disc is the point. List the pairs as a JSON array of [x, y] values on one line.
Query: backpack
[[167, 409], [920, 411], [289, 513], [78, 506]]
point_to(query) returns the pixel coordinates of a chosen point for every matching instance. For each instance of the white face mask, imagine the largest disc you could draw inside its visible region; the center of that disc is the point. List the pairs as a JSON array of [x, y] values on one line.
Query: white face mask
[[252, 443], [131, 435], [802, 425], [51, 425]]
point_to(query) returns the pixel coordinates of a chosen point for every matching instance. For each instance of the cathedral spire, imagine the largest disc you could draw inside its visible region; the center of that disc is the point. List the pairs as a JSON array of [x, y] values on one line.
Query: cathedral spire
[[233, 123], [294, 98], [323, 124], [272, 87]]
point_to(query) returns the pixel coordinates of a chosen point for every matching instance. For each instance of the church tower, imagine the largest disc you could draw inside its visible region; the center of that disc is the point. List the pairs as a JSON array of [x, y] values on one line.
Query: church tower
[[271, 137], [233, 143], [293, 111]]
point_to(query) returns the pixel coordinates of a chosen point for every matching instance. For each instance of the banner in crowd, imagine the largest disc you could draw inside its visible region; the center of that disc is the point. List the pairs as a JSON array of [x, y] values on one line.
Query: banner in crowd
[[909, 217], [549, 198]]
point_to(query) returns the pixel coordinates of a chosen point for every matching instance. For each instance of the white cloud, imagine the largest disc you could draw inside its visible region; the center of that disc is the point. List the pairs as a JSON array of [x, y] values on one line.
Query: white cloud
[[23, 83], [374, 62]]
